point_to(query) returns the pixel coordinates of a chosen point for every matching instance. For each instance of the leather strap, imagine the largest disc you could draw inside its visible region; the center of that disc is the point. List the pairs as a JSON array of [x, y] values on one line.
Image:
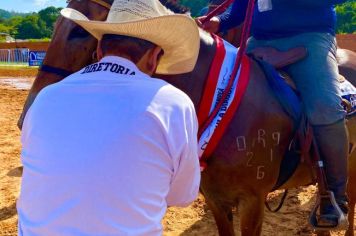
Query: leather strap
[[102, 3], [54, 70]]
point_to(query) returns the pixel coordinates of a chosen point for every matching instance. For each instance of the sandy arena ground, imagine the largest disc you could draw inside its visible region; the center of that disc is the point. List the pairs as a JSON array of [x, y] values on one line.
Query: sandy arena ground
[[194, 220]]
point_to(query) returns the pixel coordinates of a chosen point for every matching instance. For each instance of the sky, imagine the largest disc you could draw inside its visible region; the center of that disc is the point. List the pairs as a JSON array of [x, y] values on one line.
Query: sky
[[30, 5]]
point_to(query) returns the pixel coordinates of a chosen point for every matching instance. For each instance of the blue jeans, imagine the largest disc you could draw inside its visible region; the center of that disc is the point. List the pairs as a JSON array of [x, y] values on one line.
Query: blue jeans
[[316, 76]]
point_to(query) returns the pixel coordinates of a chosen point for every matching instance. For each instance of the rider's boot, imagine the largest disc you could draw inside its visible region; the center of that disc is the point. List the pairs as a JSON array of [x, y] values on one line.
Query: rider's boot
[[333, 144]]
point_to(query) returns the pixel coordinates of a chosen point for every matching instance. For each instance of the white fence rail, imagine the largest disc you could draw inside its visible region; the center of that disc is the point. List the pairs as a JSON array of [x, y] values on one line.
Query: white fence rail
[[14, 56]]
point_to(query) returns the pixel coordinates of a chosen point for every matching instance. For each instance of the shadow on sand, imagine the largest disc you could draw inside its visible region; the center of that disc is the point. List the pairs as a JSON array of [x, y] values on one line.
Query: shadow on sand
[[8, 212]]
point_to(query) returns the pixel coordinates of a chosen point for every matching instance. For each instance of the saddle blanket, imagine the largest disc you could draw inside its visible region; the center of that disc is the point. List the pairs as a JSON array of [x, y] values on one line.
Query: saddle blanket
[[218, 79], [348, 92]]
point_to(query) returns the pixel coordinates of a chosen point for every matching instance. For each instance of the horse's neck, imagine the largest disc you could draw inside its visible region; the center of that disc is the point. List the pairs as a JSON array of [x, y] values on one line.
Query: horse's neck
[[193, 83]]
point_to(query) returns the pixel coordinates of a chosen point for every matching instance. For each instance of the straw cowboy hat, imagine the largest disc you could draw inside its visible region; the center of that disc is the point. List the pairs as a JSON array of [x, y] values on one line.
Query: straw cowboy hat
[[177, 34]]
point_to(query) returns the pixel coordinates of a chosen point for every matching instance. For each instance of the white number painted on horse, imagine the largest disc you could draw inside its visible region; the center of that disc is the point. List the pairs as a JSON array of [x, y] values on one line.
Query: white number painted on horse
[[260, 172], [276, 136], [261, 137], [241, 143], [249, 156]]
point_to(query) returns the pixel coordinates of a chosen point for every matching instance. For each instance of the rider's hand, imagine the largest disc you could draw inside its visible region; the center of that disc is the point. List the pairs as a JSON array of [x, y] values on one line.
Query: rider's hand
[[211, 26]]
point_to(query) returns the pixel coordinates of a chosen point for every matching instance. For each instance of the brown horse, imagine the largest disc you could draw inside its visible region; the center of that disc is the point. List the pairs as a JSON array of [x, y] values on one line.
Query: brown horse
[[347, 67], [245, 165]]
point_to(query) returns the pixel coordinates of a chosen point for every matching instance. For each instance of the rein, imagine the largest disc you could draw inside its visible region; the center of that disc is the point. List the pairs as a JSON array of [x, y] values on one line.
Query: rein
[[241, 53], [218, 10], [62, 72]]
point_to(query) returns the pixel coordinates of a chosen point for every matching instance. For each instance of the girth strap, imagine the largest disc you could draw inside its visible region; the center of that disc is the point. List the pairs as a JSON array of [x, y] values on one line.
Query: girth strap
[[55, 70]]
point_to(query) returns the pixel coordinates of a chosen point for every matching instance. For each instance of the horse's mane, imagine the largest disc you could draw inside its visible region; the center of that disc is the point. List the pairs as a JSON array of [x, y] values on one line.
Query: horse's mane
[[175, 6]]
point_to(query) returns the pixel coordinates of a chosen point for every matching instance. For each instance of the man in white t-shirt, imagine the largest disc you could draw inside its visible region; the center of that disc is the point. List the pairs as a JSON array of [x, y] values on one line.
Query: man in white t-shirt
[[106, 150]]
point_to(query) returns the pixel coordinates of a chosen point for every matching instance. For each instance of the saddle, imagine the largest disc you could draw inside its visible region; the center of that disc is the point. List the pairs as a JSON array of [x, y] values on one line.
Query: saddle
[[279, 59], [269, 58]]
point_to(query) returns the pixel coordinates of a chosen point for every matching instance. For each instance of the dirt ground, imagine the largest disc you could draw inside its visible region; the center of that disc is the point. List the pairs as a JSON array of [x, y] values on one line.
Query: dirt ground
[[14, 71], [194, 220]]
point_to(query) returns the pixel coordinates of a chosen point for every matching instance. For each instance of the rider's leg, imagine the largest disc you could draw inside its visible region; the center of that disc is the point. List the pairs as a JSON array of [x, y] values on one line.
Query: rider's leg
[[333, 145], [316, 78]]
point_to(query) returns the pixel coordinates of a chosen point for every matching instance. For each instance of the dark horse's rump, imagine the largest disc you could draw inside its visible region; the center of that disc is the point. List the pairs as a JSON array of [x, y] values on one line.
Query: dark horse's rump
[[245, 165]]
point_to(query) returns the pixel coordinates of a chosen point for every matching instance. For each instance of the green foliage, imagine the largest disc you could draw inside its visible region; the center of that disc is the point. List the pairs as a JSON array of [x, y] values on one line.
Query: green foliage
[[49, 16], [40, 25], [7, 14], [346, 13], [40, 40], [195, 6], [29, 26], [346, 17], [4, 29]]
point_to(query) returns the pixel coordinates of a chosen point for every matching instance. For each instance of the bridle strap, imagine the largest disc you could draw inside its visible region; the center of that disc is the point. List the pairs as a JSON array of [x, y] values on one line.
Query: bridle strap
[[55, 70], [100, 2]]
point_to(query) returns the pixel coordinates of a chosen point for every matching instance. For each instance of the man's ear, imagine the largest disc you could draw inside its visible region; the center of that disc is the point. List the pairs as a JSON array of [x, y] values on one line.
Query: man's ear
[[153, 59], [99, 51]]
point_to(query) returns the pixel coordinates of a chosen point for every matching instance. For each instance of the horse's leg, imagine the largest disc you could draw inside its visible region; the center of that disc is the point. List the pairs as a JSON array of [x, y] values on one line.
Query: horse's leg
[[222, 215], [351, 193], [252, 213], [350, 231]]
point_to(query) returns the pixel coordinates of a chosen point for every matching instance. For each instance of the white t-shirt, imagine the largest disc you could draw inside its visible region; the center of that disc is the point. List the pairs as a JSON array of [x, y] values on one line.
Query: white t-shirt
[[105, 151]]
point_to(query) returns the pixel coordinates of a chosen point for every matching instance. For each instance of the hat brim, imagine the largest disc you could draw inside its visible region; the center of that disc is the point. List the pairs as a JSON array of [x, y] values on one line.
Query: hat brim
[[178, 35]]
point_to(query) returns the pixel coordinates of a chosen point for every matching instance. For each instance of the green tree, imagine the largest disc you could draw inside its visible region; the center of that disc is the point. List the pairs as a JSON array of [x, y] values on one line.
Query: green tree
[[4, 28], [30, 28], [13, 24], [5, 14], [34, 26], [49, 15], [195, 6], [346, 17]]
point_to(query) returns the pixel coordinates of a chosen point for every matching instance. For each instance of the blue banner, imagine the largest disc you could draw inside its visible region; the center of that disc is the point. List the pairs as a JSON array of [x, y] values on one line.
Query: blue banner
[[36, 58]]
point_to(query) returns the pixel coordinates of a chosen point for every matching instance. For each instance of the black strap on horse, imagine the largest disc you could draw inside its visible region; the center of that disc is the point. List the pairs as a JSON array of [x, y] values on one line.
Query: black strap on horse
[[55, 70], [284, 196]]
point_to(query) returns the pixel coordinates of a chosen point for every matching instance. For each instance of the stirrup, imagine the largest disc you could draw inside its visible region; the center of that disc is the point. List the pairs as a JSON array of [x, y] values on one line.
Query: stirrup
[[342, 224]]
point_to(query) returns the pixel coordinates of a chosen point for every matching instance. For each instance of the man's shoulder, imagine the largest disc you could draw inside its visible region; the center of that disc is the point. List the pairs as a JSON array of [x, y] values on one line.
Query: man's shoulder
[[172, 95]]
